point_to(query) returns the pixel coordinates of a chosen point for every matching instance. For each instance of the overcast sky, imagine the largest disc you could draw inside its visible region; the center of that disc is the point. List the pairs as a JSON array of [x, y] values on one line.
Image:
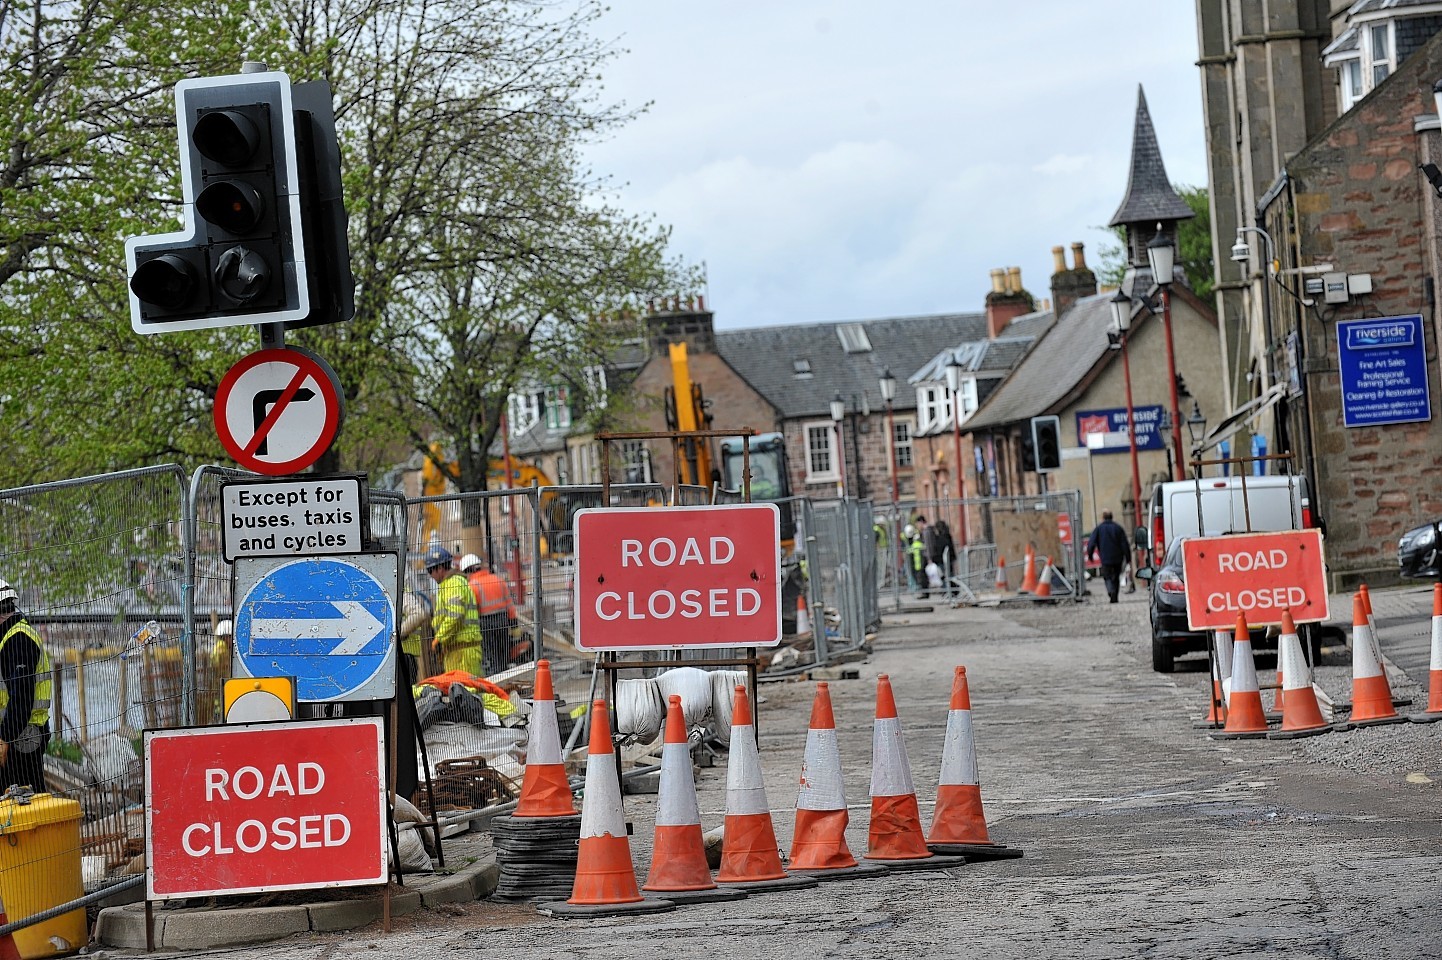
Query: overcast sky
[[838, 159]]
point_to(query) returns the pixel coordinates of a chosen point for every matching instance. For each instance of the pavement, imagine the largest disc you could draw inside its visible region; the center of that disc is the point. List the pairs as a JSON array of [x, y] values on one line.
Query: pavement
[[1403, 617]]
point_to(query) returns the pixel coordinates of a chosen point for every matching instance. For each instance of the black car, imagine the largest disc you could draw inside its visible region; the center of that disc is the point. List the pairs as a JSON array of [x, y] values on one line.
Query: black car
[[1418, 552], [1171, 637]]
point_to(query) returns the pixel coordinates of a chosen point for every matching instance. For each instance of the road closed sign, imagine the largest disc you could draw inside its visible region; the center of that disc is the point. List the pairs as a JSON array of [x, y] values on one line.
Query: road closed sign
[[264, 807], [678, 577], [1259, 575]]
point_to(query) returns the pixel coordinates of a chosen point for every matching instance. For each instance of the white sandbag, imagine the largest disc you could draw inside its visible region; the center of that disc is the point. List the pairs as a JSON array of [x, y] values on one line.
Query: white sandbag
[[693, 686], [723, 700], [640, 711]]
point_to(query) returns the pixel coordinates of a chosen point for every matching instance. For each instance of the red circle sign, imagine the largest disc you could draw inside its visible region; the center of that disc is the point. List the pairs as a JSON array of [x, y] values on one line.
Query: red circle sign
[[277, 411]]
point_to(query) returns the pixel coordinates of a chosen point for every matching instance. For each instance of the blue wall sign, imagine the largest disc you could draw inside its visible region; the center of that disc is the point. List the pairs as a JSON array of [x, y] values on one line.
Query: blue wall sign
[[1383, 364], [1113, 422], [327, 621]]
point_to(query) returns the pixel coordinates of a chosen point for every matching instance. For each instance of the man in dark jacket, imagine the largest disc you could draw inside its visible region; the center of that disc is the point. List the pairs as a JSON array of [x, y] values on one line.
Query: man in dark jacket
[[24, 697], [1109, 542]]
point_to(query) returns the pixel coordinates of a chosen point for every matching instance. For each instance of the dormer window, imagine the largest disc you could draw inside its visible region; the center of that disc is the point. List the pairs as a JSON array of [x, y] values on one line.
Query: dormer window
[[801, 369]]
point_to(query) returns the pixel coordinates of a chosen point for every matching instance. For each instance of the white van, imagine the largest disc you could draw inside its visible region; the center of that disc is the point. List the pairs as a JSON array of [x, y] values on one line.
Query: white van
[[1211, 506]]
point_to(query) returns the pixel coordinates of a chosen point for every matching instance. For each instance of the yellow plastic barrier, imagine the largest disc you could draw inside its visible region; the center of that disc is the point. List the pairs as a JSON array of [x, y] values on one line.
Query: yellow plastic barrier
[[40, 869]]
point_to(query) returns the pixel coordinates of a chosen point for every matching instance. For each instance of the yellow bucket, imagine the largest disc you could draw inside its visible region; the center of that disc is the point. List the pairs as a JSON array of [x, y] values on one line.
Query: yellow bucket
[[40, 869]]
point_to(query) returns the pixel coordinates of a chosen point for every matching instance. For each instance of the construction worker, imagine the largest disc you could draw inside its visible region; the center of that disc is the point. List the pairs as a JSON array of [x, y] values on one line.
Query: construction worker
[[24, 697], [455, 623], [414, 631], [916, 568], [497, 610]]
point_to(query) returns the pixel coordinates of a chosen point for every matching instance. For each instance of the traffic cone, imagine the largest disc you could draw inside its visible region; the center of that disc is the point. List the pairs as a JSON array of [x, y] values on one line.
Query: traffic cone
[[1301, 714], [750, 857], [958, 824], [1276, 712], [545, 791], [678, 853], [605, 879], [1028, 571], [1000, 584], [1433, 712], [1371, 693], [803, 619], [1245, 718], [1042, 589], [818, 844], [895, 835], [1221, 677]]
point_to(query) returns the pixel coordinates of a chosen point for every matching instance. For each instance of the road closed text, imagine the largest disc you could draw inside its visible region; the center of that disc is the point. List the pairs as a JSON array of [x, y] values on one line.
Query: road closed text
[[678, 577], [1260, 576], [250, 835]]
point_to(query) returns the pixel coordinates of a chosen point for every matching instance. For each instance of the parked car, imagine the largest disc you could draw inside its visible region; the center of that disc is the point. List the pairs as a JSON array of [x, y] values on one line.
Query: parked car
[[1419, 552], [1172, 637]]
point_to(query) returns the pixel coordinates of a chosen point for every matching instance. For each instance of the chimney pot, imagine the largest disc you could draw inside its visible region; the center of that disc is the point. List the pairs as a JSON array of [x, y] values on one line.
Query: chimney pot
[[1058, 255], [998, 281], [1079, 260], [1013, 279]]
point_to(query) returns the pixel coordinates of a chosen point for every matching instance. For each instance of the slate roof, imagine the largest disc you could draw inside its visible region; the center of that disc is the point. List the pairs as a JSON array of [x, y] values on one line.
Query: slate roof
[[1053, 369], [765, 358], [1149, 195]]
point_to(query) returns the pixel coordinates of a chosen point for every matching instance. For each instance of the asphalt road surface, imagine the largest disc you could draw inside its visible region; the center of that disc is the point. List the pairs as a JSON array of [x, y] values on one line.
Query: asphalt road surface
[[1142, 836]]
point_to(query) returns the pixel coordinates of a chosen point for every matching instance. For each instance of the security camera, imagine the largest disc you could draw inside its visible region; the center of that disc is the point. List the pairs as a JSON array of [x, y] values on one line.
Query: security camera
[[1434, 176], [1241, 252]]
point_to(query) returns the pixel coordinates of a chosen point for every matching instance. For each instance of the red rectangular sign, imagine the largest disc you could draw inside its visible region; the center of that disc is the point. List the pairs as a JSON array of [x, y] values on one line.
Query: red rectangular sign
[[253, 808], [678, 577], [1256, 574]]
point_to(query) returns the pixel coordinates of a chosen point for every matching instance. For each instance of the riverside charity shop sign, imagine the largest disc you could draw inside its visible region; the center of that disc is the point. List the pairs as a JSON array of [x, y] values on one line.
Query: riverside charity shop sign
[[678, 577]]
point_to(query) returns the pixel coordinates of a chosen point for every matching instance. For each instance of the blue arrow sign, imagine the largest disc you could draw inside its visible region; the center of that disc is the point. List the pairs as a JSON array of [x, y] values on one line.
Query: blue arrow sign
[[323, 620]]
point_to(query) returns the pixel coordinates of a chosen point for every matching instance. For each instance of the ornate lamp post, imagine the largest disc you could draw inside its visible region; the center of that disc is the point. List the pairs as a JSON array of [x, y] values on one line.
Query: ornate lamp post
[[1121, 326], [888, 394], [838, 413], [1162, 256], [953, 383]]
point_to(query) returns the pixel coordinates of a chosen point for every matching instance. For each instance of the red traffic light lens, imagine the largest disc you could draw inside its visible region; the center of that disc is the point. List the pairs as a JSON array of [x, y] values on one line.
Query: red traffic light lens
[[241, 274], [225, 137], [167, 281], [232, 205]]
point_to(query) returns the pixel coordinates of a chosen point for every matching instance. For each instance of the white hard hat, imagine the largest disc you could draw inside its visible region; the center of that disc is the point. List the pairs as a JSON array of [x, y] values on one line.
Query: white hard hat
[[908, 530], [7, 592], [224, 629], [468, 561]]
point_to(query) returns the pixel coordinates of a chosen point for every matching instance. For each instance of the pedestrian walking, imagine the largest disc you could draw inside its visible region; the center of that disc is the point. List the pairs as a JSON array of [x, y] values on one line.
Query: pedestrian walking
[[24, 697], [456, 622], [916, 568], [1109, 543], [496, 608]]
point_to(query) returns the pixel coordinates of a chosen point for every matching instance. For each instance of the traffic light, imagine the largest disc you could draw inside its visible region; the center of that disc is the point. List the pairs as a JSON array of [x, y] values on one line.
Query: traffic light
[[240, 257], [1028, 453], [1046, 440]]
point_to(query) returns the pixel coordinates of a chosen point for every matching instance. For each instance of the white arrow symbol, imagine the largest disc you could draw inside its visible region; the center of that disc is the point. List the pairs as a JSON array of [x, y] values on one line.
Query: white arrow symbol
[[355, 627]]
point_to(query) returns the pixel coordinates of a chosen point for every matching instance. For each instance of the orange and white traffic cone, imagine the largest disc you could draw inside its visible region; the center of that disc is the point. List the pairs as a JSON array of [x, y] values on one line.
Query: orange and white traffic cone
[[1042, 590], [1028, 572], [750, 857], [958, 824], [1433, 712], [1000, 584], [1277, 701], [895, 835], [1245, 717], [1371, 693], [818, 845], [678, 854], [1221, 678], [803, 619], [605, 879], [545, 791], [1301, 713]]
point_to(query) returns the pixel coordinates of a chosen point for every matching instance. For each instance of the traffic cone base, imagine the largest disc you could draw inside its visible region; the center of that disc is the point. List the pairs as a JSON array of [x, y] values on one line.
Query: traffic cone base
[[609, 878], [1245, 717], [896, 829], [864, 868], [972, 852], [1301, 713], [959, 817], [819, 842]]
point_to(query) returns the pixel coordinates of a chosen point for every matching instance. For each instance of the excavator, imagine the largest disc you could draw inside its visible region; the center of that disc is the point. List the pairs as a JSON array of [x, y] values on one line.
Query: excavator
[[555, 511]]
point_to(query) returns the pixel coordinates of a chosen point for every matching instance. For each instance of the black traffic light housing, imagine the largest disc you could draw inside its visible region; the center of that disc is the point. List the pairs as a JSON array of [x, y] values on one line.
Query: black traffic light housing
[[264, 227], [1046, 441]]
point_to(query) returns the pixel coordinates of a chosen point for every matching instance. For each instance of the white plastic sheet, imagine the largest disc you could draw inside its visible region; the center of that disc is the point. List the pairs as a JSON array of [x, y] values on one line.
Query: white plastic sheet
[[693, 686]]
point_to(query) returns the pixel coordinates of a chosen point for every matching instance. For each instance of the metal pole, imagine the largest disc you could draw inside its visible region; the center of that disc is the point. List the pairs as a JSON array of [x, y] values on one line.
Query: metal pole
[[895, 506], [1177, 461], [960, 473], [1132, 443]]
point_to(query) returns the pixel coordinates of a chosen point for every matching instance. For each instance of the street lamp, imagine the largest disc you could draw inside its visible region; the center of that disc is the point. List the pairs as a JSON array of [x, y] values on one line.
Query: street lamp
[[953, 383], [888, 394], [1241, 253], [1197, 428], [1121, 325], [1162, 256], [838, 413]]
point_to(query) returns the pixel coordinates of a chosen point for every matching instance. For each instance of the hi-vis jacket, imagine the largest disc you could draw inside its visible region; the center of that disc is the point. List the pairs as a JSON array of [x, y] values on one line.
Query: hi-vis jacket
[[27, 678], [457, 626]]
